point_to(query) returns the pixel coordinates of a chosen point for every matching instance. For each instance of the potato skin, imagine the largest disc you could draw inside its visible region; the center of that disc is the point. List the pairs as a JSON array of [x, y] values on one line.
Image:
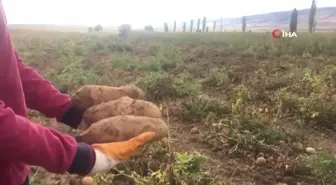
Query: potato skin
[[90, 95], [122, 128], [122, 106]]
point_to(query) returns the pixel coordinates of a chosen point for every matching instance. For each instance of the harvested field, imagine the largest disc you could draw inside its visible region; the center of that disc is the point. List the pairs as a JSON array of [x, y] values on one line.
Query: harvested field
[[243, 108]]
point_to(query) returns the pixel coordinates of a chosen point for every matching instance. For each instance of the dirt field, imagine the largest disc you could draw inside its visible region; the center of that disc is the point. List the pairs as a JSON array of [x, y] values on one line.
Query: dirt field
[[242, 108]]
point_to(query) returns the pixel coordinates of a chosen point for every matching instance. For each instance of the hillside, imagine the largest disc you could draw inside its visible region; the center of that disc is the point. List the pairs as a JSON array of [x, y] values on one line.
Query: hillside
[[326, 20], [49, 27]]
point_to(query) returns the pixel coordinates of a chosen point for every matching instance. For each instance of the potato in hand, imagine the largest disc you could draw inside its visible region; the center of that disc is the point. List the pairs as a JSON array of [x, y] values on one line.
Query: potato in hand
[[122, 106], [90, 95], [122, 128]]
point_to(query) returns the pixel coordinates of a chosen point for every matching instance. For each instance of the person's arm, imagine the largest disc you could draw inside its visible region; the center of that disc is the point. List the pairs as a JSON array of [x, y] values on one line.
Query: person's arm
[[36, 145], [33, 144], [42, 96], [23, 141]]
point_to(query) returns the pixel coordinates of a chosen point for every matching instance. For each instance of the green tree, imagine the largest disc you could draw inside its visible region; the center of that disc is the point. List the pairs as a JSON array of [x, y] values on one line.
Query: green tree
[[311, 21], [244, 24], [184, 26], [149, 28], [166, 27], [98, 28], [198, 25], [214, 27], [293, 21], [175, 26], [124, 30], [191, 25], [204, 24]]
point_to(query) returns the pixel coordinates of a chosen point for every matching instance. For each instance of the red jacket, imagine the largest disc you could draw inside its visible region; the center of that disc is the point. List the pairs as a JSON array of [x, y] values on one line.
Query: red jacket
[[24, 143]]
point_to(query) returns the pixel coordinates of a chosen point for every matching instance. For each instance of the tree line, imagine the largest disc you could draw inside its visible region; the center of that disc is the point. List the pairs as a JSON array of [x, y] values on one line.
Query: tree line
[[292, 24], [125, 28]]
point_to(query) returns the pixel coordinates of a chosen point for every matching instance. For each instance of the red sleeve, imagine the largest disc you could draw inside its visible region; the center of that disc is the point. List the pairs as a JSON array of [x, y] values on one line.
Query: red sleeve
[[40, 94], [34, 144]]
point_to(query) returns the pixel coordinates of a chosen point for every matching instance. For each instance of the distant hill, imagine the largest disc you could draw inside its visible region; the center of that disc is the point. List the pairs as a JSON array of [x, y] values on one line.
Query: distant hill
[[325, 18], [51, 27]]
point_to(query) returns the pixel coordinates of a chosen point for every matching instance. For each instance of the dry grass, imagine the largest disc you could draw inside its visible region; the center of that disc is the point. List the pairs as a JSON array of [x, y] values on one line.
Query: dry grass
[[231, 98]]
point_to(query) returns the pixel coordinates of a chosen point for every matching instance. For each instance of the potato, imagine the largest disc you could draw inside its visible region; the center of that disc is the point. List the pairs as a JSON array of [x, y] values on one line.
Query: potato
[[122, 128], [122, 106], [90, 95], [88, 180]]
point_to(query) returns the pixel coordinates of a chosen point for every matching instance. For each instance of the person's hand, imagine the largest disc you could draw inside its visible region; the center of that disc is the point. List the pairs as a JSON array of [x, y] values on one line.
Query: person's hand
[[72, 117], [108, 155]]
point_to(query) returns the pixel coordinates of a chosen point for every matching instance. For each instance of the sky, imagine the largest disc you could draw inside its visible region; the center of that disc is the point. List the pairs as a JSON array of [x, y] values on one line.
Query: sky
[[140, 12]]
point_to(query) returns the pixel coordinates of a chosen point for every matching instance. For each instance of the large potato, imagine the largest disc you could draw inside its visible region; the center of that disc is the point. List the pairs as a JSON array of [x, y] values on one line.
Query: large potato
[[122, 106], [122, 128], [90, 95]]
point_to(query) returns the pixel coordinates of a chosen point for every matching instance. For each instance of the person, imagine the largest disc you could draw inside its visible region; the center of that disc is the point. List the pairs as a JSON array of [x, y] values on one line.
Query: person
[[24, 143]]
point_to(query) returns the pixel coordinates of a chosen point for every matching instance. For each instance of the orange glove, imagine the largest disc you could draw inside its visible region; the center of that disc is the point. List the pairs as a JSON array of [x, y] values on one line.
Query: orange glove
[[108, 155]]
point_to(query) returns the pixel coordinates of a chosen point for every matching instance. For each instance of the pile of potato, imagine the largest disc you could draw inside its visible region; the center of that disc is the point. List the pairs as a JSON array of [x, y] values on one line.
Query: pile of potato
[[116, 114]]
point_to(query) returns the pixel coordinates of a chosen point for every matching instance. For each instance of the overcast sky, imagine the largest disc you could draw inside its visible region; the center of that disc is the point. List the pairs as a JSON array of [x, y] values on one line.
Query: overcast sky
[[140, 12]]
